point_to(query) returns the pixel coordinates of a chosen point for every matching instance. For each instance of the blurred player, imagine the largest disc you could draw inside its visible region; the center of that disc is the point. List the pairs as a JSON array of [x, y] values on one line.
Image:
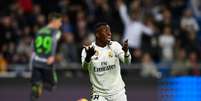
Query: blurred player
[[101, 59], [43, 57]]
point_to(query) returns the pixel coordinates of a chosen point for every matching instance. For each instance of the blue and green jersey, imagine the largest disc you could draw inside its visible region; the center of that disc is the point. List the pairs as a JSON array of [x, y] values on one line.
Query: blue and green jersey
[[44, 46]]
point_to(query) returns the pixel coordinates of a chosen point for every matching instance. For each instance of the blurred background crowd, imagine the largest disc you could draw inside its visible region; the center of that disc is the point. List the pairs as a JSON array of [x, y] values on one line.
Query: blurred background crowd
[[159, 31]]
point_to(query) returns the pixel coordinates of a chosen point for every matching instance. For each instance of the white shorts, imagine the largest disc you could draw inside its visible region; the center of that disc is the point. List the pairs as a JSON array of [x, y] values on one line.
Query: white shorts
[[121, 96]]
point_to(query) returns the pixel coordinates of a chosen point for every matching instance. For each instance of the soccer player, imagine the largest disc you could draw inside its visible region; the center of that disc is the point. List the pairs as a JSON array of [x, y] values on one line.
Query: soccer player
[[102, 60], [43, 57]]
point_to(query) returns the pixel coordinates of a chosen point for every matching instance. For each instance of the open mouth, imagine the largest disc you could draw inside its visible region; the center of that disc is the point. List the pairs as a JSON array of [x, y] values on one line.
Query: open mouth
[[109, 37], [108, 40]]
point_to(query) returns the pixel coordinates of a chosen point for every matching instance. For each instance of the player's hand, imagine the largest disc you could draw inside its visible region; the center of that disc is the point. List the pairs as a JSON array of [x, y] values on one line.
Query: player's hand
[[50, 60], [125, 46], [90, 51]]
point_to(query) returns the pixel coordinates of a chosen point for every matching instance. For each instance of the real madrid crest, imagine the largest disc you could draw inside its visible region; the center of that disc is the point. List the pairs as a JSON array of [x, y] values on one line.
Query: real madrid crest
[[110, 54], [96, 55]]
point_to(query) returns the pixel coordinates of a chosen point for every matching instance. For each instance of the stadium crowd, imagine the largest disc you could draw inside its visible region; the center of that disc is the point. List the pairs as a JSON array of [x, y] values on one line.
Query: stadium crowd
[[159, 31]]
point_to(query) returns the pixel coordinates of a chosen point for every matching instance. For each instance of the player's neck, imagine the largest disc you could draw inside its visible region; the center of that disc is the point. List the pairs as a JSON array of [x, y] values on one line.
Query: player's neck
[[100, 44]]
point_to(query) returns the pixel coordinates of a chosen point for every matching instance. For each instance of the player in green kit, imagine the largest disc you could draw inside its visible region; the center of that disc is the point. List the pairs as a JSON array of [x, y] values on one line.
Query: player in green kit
[[43, 56]]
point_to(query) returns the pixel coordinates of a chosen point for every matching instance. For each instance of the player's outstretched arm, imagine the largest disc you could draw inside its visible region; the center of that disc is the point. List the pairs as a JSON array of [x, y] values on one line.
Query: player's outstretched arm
[[125, 46], [123, 52]]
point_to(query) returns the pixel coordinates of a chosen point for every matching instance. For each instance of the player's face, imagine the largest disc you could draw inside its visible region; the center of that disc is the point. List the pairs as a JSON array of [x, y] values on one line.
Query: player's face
[[57, 23], [104, 34]]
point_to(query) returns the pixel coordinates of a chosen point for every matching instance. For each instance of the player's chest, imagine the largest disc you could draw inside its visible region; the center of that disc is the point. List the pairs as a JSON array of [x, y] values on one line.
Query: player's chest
[[104, 57], [104, 61]]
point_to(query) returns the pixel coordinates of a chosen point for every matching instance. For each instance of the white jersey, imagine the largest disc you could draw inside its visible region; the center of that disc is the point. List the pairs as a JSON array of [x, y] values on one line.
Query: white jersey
[[104, 68]]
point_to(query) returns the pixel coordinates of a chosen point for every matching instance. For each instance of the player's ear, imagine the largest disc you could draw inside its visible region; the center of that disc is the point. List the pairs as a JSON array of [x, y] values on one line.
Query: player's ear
[[96, 34]]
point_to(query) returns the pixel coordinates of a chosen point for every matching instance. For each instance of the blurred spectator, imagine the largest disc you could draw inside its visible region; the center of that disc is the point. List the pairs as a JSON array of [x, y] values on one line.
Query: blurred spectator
[[40, 21], [166, 19], [192, 44], [166, 42], [157, 12], [37, 10], [148, 6], [9, 51], [149, 68], [195, 5], [177, 7], [81, 25], [180, 66], [137, 55], [8, 30], [103, 12], [3, 64], [26, 5], [4, 7], [24, 50], [29, 19], [64, 6], [68, 53], [18, 15], [188, 22], [134, 28], [150, 43], [194, 65], [68, 49], [66, 25]]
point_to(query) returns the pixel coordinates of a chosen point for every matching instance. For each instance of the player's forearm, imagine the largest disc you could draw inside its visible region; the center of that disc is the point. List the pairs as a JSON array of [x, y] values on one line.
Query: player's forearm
[[127, 57], [86, 65], [86, 62]]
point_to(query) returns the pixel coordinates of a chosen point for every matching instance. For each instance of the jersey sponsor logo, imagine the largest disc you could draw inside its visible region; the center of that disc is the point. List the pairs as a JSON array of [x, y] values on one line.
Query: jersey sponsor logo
[[104, 68]]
